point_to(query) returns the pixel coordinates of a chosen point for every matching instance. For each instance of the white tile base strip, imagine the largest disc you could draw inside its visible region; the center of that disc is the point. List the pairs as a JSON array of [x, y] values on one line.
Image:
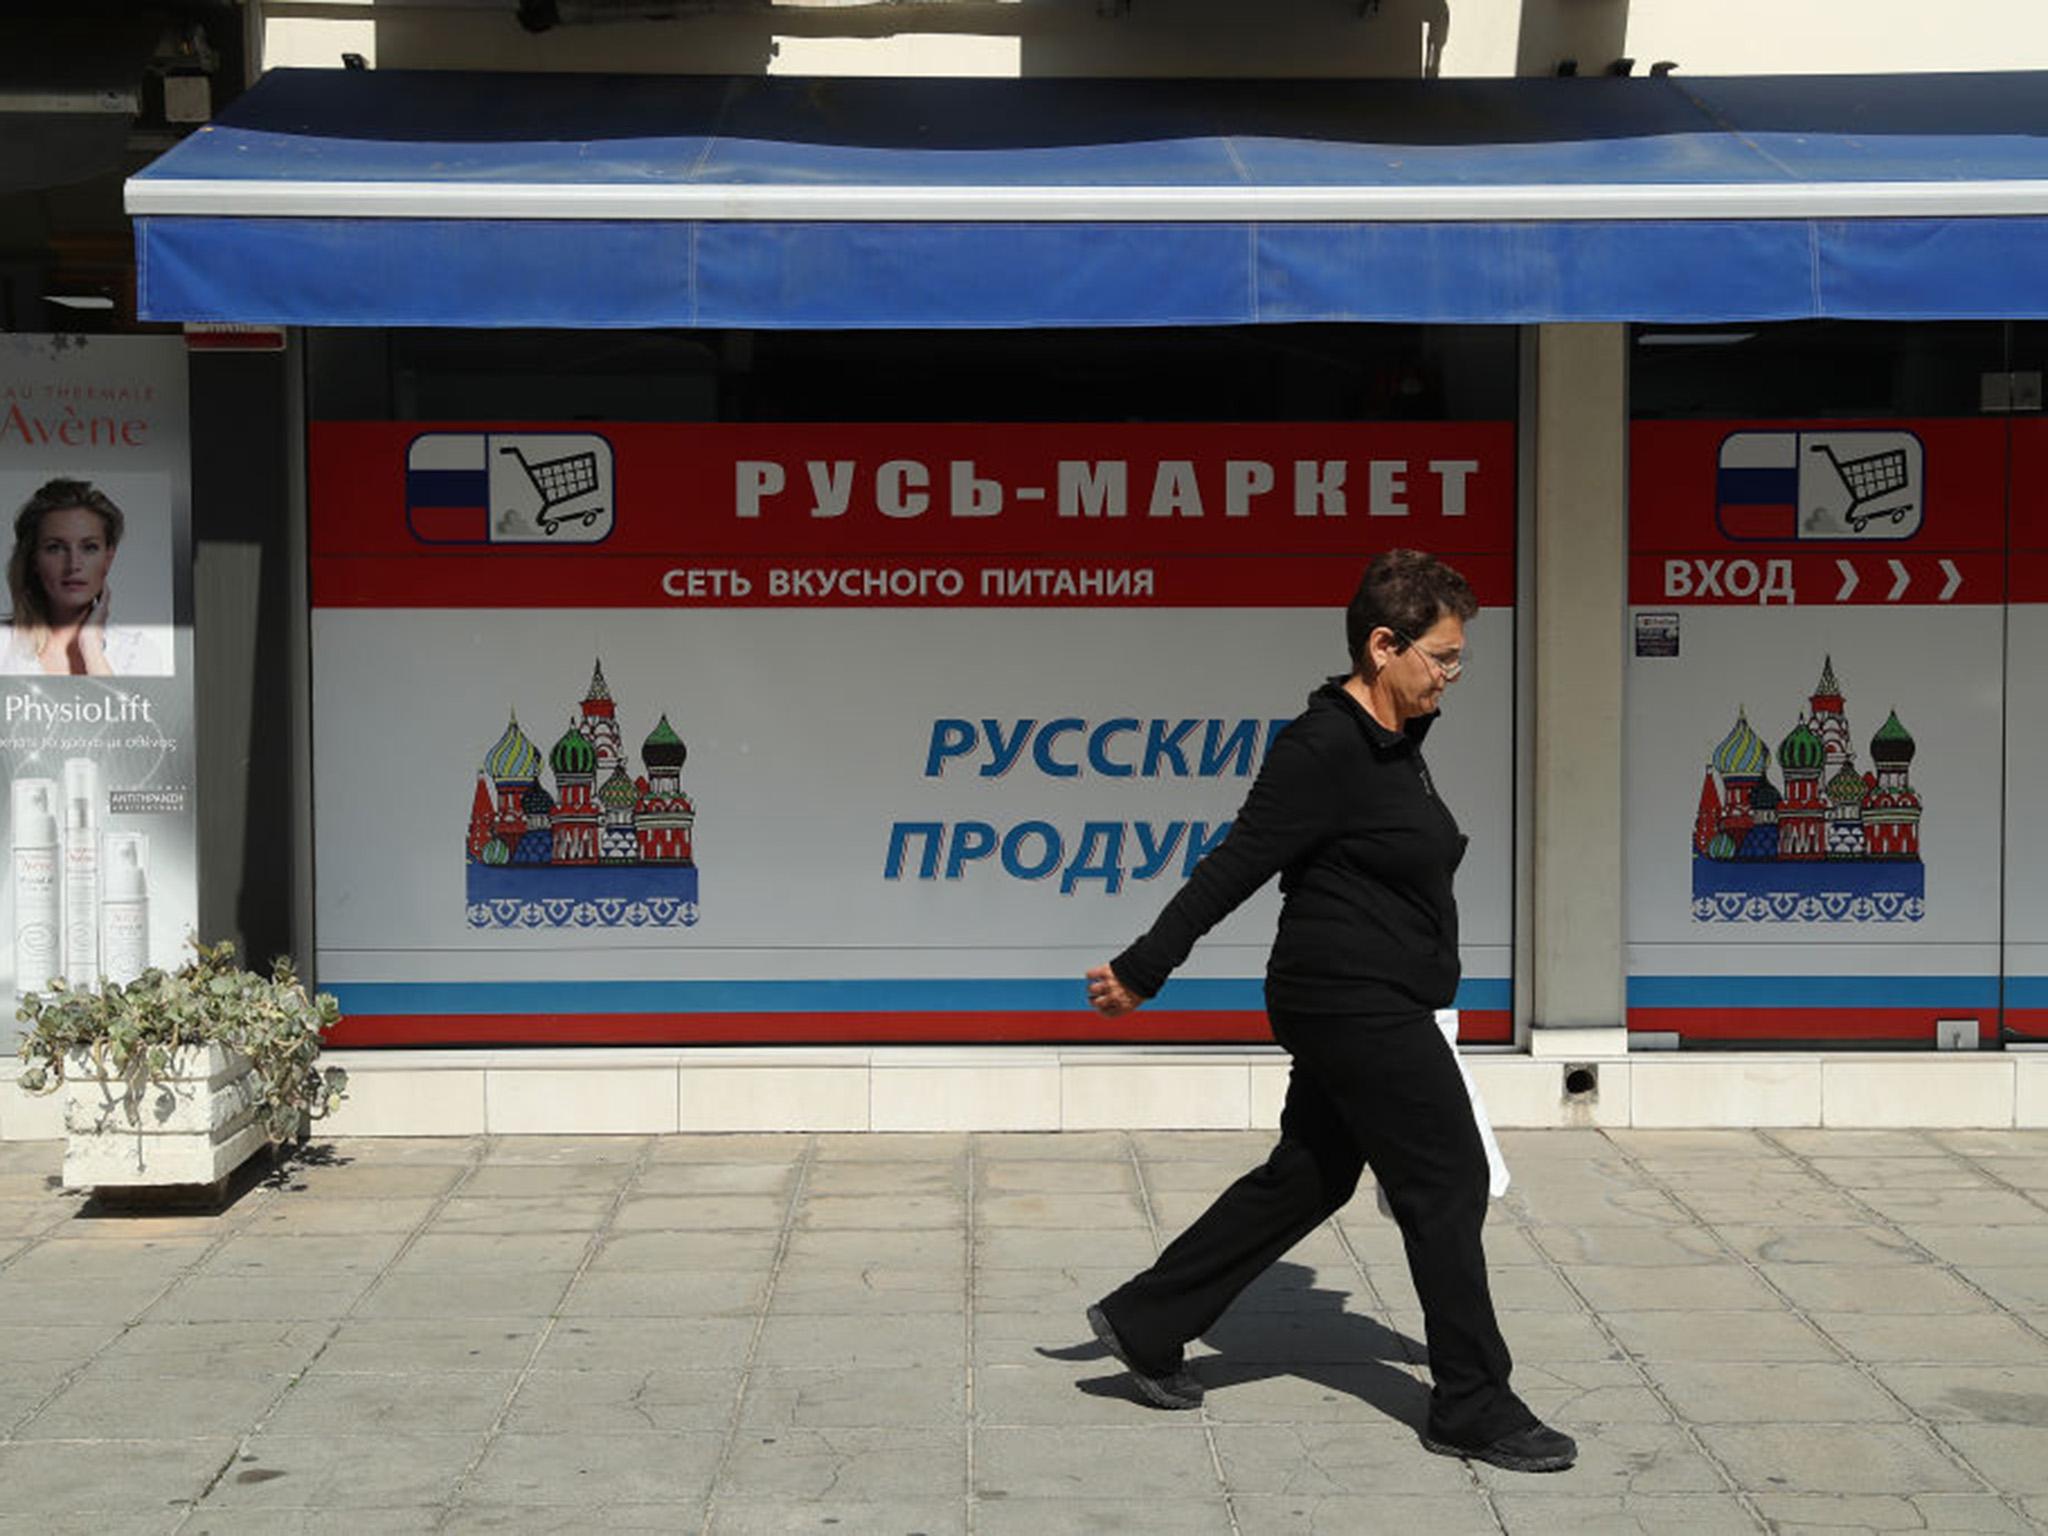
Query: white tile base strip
[[1008, 1088]]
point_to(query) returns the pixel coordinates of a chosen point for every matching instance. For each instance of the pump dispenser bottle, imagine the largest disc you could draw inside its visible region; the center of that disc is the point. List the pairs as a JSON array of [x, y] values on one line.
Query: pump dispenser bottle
[[124, 911], [38, 883], [81, 871]]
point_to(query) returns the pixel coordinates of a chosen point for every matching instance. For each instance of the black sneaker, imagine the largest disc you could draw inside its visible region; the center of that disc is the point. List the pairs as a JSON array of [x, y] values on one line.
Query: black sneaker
[[1178, 1390], [1539, 1448]]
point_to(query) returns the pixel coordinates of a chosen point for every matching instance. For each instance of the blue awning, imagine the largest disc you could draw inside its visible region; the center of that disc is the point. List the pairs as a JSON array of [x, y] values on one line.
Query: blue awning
[[408, 198]]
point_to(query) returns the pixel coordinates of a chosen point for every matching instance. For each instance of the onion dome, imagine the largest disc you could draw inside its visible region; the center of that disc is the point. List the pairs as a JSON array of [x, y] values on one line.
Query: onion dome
[[1722, 847], [663, 747], [514, 759], [617, 792], [496, 853], [538, 802], [1802, 751], [1847, 787], [573, 754], [1765, 796], [1742, 753], [1893, 745]]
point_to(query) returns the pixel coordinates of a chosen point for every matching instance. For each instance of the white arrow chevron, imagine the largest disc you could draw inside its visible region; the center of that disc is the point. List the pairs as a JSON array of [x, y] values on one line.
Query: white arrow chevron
[[1955, 579], [1903, 579], [1848, 580]]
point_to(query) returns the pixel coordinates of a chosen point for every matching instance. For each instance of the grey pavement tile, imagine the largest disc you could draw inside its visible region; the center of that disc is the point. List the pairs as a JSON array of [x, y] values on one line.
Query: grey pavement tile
[[1102, 1517], [1095, 1461], [1545, 1336], [1351, 1514], [1704, 1144], [786, 1147], [1993, 1144], [1624, 1206], [1092, 1391], [208, 1521], [701, 1213], [1057, 1176], [543, 1181], [504, 1295], [1803, 1205], [62, 1342], [31, 1156], [624, 1402], [838, 1342], [1714, 1336], [892, 1146], [1377, 1393], [1848, 1458], [1201, 1178], [106, 1522], [1333, 1458], [1035, 1146], [1660, 1247], [560, 1150], [358, 1403], [1577, 1392], [863, 1464], [873, 1291], [310, 1213], [883, 1212], [1955, 1207], [1973, 1394], [412, 1345], [932, 1249], [1623, 1459], [1629, 1514], [1811, 1142], [874, 1517], [2007, 1455], [1760, 1179], [1891, 1173], [593, 1471], [1820, 1245], [864, 1178], [2027, 1173], [1173, 1211], [493, 1253], [1773, 1392], [244, 1347], [1728, 1287], [255, 1255], [1969, 1338], [344, 1471], [866, 1398], [1202, 1146], [78, 1219], [552, 1213], [774, 1179], [1036, 1247], [32, 1218], [207, 1298], [45, 1477], [364, 1180], [640, 1343], [59, 1261], [103, 1405], [1041, 1340], [666, 1252], [1829, 1514], [400, 1149], [1890, 1288], [1975, 1247], [1072, 1286], [27, 1300], [2023, 1287], [1342, 1338], [1507, 1246], [1521, 1288], [682, 1293], [525, 1520]]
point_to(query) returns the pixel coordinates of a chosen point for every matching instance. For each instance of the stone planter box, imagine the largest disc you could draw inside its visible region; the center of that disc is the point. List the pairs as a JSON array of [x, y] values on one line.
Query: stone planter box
[[195, 1124]]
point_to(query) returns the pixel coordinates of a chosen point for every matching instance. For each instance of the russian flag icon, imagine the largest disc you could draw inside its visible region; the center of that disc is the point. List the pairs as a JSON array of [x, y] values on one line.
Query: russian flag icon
[[1756, 485], [448, 488]]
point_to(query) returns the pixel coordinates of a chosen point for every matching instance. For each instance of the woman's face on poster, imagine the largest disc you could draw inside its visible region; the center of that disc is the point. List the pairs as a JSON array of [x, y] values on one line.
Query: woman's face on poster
[[72, 558]]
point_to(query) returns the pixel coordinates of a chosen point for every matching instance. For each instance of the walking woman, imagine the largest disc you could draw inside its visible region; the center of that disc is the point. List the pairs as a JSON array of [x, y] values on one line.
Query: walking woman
[[1345, 812]]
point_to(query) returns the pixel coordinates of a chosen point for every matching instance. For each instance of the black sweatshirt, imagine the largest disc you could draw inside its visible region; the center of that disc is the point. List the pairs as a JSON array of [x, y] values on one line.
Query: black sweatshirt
[[1344, 810]]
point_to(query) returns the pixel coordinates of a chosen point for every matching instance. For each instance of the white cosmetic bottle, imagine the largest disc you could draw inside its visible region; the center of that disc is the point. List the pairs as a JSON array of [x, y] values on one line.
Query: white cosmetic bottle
[[124, 910], [38, 887], [81, 871]]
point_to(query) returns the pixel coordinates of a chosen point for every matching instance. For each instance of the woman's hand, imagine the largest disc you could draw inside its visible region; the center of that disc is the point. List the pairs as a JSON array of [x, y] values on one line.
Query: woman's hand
[[92, 636], [1108, 996]]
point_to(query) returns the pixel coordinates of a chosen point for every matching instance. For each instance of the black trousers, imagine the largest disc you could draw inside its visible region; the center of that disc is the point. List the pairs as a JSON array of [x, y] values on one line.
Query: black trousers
[[1360, 1094]]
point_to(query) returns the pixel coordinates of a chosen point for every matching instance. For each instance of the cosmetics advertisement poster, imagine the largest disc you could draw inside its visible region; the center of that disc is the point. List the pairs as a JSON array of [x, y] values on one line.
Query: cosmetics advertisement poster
[[96, 709]]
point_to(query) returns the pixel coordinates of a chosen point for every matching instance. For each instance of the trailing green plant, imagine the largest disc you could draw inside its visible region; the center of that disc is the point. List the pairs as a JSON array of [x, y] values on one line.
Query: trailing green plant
[[129, 1032]]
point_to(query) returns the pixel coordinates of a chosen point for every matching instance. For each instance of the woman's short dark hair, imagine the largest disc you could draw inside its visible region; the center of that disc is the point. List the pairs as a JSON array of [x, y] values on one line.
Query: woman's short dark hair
[[1404, 590], [31, 602]]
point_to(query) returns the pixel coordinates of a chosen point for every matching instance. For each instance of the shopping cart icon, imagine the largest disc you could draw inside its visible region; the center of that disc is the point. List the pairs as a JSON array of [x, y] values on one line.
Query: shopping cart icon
[[1868, 478], [559, 482]]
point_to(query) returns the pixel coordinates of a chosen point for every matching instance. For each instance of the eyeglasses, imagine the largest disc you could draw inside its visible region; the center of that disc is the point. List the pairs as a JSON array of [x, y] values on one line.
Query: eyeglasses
[[1447, 667]]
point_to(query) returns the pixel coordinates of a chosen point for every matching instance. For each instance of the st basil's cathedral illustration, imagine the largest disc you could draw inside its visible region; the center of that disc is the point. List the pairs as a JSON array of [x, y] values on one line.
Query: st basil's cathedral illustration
[[604, 848], [1834, 844]]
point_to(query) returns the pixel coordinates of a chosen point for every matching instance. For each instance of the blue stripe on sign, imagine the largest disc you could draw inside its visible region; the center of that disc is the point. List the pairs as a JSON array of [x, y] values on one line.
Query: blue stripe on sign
[[447, 488], [906, 995], [2026, 991], [1813, 991], [1756, 487]]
